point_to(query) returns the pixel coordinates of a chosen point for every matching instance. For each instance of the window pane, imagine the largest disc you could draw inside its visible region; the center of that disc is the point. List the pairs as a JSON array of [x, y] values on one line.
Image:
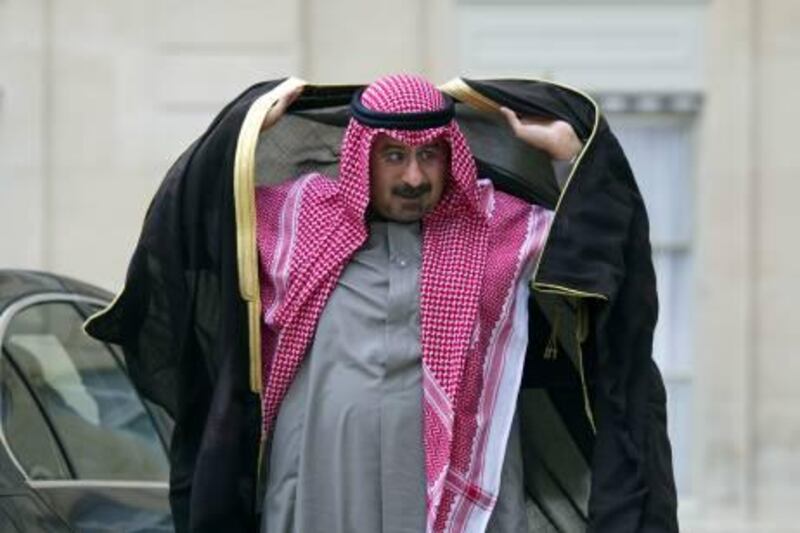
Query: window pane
[[161, 419], [95, 411], [679, 420], [659, 150], [672, 343], [26, 431]]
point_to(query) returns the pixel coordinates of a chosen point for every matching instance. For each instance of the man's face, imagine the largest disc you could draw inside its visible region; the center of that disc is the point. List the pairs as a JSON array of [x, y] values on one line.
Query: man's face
[[406, 181]]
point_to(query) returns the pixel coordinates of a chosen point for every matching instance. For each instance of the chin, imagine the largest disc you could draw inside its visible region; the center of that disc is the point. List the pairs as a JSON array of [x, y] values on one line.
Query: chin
[[406, 217], [400, 213]]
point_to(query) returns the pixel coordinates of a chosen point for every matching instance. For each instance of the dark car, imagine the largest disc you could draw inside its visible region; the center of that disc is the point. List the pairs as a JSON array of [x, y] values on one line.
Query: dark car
[[80, 450]]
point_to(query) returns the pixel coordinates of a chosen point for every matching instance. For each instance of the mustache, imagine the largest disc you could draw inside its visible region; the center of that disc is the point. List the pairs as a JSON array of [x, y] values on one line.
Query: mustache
[[411, 193]]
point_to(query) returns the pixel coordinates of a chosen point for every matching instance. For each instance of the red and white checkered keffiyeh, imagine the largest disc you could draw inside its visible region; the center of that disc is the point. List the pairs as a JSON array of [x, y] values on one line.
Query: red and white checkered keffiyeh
[[478, 246]]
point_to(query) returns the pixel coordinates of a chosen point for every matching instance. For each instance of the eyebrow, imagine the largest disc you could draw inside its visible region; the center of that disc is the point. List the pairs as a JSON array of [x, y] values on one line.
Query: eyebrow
[[393, 146], [396, 145], [439, 145]]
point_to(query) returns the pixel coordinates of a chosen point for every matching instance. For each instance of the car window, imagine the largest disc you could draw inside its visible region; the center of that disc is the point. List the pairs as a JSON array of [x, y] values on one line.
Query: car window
[[162, 420], [94, 411], [26, 430]]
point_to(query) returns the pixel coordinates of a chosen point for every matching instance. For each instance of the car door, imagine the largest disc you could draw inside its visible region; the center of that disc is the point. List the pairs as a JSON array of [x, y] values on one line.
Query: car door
[[96, 457]]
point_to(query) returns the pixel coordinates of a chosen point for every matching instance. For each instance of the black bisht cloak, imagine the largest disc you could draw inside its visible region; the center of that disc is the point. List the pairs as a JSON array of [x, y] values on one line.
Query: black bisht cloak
[[184, 316]]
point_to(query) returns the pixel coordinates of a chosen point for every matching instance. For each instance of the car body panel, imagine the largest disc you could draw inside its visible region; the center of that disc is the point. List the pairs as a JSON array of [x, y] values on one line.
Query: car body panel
[[52, 504], [109, 507]]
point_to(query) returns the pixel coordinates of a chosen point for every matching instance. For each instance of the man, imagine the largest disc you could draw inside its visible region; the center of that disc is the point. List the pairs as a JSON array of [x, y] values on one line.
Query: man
[[394, 311], [447, 289]]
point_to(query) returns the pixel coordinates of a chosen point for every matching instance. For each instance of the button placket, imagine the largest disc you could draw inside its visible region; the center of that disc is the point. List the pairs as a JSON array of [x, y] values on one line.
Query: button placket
[[403, 301]]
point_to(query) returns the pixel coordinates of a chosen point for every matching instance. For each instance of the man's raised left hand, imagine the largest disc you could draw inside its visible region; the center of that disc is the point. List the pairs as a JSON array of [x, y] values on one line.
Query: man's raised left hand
[[556, 137]]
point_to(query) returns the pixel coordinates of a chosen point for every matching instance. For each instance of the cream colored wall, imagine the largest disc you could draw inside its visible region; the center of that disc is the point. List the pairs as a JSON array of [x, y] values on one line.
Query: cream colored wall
[[748, 427], [358, 40], [98, 101], [777, 265], [23, 134], [724, 276]]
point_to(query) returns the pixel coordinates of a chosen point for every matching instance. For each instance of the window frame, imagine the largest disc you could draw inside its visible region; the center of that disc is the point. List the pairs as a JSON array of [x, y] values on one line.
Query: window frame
[[79, 302]]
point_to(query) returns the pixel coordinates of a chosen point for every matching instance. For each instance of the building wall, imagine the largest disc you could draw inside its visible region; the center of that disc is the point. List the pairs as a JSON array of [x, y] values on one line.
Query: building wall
[[98, 101], [23, 134], [776, 187], [749, 429]]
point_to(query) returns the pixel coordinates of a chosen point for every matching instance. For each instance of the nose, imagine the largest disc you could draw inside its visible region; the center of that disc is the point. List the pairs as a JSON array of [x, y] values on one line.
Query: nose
[[413, 176]]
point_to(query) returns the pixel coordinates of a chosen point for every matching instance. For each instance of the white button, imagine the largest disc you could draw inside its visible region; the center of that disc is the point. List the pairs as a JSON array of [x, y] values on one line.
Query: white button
[[402, 261]]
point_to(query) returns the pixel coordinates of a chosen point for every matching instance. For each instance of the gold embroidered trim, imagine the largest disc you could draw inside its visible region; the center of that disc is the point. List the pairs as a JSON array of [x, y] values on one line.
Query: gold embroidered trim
[[581, 333], [244, 199], [457, 88], [566, 291]]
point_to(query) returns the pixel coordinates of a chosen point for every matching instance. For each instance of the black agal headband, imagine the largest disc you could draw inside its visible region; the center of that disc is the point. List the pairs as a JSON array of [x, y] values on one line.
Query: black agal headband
[[402, 121]]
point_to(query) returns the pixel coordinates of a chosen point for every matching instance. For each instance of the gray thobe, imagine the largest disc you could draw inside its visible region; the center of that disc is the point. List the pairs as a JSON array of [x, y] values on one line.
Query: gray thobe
[[346, 455]]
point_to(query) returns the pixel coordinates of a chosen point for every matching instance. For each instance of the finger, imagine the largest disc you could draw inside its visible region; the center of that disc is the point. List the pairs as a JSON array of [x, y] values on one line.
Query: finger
[[286, 100], [535, 135], [537, 120], [294, 95], [280, 106], [529, 129], [512, 118], [271, 117]]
